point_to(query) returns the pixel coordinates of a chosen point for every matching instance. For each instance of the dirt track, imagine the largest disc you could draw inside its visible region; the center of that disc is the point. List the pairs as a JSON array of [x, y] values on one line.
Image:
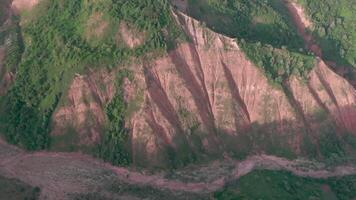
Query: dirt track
[[60, 174]]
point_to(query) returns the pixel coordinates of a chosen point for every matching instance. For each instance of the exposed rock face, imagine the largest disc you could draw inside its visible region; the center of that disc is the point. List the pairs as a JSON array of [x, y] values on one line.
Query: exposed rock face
[[203, 91]]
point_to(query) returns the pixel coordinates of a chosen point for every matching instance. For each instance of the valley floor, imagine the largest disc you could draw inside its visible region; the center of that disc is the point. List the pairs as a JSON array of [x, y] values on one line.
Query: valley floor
[[64, 175]]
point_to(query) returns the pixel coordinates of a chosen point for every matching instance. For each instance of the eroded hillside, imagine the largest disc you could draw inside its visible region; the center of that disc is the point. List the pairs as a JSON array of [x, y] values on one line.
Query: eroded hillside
[[229, 95], [161, 90]]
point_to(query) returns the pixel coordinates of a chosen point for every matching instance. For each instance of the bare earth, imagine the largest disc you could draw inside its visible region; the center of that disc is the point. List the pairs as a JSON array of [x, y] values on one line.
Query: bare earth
[[20, 5], [301, 14], [61, 174]]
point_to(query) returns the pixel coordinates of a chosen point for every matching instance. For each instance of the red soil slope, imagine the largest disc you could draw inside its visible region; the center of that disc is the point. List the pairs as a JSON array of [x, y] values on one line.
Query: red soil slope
[[209, 86]]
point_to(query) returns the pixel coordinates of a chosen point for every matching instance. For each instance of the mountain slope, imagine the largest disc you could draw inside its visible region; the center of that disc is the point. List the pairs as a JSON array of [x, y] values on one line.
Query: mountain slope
[[207, 98], [159, 89]]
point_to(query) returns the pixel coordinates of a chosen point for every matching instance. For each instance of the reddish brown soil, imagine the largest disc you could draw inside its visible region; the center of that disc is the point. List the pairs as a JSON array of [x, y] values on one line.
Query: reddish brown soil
[[21, 5], [211, 83]]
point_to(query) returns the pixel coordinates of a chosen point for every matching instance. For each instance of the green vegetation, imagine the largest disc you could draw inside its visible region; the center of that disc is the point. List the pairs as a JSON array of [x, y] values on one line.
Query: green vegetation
[[115, 141], [335, 28], [68, 142], [264, 30], [344, 188], [11, 189], [278, 64], [121, 189], [255, 21], [14, 45], [329, 145], [283, 185], [56, 47]]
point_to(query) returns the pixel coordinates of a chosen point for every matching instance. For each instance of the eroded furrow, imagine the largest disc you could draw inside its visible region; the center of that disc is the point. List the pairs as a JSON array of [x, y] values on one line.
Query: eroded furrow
[[244, 119]]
